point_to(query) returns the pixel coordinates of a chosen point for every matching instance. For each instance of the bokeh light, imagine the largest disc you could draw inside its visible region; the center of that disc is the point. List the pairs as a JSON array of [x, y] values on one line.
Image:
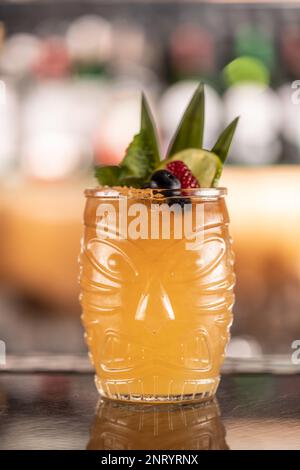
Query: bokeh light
[[246, 69]]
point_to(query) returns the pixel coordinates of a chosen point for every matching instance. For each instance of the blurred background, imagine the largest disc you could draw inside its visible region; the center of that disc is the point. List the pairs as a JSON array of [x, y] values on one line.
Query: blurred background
[[71, 74]]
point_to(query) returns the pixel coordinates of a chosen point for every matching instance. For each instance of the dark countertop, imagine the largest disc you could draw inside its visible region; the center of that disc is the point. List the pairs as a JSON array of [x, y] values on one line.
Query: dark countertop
[[58, 411]]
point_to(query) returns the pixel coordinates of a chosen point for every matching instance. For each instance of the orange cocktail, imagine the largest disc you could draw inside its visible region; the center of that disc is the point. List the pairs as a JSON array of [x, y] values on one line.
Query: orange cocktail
[[156, 311]]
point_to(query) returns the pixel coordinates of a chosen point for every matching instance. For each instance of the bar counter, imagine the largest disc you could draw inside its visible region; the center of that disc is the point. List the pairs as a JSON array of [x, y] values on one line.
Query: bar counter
[[62, 411]]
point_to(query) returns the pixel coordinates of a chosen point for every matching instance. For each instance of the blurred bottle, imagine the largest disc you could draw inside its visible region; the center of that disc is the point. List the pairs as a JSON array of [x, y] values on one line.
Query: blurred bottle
[[129, 46], [52, 149], [19, 54], [2, 35], [9, 126], [289, 46], [130, 427], [257, 138], [53, 60], [89, 42], [290, 109], [134, 57], [191, 53], [255, 42]]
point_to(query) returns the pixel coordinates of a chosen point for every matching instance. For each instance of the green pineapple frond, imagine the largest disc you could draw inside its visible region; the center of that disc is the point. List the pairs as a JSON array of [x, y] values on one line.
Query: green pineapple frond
[[221, 147]]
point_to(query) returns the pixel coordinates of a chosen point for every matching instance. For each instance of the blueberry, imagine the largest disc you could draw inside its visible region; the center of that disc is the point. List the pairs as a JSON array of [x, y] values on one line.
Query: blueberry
[[164, 179]]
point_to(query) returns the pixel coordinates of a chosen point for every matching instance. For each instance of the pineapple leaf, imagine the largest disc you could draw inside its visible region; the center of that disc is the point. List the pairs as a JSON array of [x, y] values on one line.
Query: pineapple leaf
[[223, 143], [148, 127], [189, 133]]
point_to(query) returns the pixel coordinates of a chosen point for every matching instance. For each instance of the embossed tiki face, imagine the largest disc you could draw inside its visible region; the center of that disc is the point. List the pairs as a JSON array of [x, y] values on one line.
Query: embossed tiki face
[[155, 307]]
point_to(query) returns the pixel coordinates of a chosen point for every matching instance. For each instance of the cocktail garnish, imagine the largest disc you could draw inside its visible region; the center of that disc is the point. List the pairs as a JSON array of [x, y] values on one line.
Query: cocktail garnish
[[184, 174], [185, 159], [164, 179]]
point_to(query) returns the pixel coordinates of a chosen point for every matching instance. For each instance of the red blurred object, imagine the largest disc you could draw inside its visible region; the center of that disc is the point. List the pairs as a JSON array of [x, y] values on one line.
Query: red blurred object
[[192, 49], [54, 60], [106, 155], [290, 49]]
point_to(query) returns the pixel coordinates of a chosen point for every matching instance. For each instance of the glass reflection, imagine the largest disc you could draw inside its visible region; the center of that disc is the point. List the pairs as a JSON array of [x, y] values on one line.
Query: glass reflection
[[131, 427]]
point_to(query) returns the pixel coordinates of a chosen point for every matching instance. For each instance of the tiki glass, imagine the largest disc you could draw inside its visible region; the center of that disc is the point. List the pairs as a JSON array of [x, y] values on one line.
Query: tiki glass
[[156, 300]]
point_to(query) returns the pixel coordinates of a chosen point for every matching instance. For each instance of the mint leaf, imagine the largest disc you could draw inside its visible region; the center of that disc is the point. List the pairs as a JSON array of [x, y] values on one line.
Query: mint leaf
[[149, 129], [221, 147], [139, 161], [189, 133], [132, 182], [135, 168], [108, 175]]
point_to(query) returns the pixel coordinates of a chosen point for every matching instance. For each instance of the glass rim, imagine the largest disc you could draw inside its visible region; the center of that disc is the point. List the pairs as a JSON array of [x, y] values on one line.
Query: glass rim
[[134, 193]]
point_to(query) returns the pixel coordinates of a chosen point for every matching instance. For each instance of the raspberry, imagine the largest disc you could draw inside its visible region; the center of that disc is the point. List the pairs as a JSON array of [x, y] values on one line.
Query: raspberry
[[183, 173]]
